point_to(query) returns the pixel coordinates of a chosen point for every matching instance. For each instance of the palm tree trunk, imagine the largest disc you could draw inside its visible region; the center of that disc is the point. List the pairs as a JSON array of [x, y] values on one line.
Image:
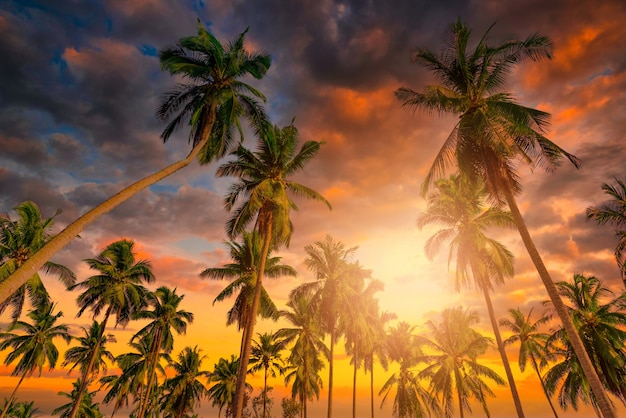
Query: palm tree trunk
[[330, 371], [243, 361], [56, 244], [156, 345], [84, 383], [543, 386], [264, 392], [372, 384], [12, 397], [505, 360], [354, 389], [597, 388], [458, 394]]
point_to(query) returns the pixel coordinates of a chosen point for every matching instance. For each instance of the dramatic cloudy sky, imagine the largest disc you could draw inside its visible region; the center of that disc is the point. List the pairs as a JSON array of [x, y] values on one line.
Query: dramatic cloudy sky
[[80, 82]]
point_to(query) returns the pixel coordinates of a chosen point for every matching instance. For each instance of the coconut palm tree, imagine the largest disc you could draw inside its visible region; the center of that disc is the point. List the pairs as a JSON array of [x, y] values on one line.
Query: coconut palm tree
[[459, 205], [613, 212], [306, 337], [266, 356], [491, 134], [164, 316], [224, 379], [33, 344], [264, 189], [211, 104], [87, 408], [22, 410], [183, 391], [117, 290], [19, 240], [532, 343], [454, 365], [601, 324]]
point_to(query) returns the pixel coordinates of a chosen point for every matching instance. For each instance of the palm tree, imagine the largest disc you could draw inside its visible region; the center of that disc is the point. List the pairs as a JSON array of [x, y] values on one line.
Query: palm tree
[[243, 271], [337, 279], [601, 325], [184, 390], [87, 408], [613, 212], [307, 344], [164, 317], [454, 365], [263, 188], [532, 343], [117, 290], [459, 206], [22, 410], [211, 104], [19, 240], [224, 379], [492, 132], [33, 345], [266, 356]]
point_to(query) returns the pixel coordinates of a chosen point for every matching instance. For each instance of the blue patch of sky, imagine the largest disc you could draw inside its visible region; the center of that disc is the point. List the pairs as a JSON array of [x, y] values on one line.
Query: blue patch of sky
[[196, 245], [197, 6], [606, 72], [65, 77], [83, 21], [164, 188], [148, 50]]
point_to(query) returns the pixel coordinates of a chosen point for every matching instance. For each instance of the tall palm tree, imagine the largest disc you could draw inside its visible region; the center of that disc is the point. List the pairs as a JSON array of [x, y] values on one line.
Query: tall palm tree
[[532, 343], [454, 365], [87, 408], [264, 188], [183, 391], [224, 379], [491, 134], [459, 206], [117, 290], [243, 272], [306, 337], [601, 325], [613, 213], [19, 240], [337, 279], [266, 356], [411, 399], [164, 317], [211, 104], [33, 344]]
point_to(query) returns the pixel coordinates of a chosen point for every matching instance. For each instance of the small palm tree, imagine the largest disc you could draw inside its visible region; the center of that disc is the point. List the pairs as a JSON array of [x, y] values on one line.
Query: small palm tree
[[19, 240], [86, 409], [266, 356], [21, 409], [183, 391], [33, 344], [224, 379], [613, 213]]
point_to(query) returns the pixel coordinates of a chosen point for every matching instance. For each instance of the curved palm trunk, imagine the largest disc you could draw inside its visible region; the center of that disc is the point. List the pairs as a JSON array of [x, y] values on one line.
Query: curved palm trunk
[[156, 344], [543, 386], [84, 382], [12, 397], [330, 371], [597, 388], [243, 360], [505, 360], [56, 244]]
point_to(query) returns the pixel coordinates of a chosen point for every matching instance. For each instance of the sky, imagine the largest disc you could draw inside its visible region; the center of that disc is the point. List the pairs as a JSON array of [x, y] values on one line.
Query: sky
[[80, 82]]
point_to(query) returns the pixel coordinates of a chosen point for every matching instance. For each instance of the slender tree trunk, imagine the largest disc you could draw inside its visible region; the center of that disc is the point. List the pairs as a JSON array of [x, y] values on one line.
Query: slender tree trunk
[[458, 394], [243, 361], [543, 386], [505, 360], [330, 371], [84, 382], [264, 392], [12, 397], [597, 388], [56, 244], [156, 348], [354, 389], [372, 384]]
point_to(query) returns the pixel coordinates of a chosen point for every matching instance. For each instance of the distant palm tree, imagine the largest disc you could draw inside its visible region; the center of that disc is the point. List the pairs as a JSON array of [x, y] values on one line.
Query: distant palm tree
[[22, 410], [532, 343], [33, 345], [86, 409], [211, 104], [164, 317], [117, 289], [264, 188], [454, 365], [183, 390], [19, 240], [613, 213], [601, 325], [224, 379], [266, 356], [492, 133]]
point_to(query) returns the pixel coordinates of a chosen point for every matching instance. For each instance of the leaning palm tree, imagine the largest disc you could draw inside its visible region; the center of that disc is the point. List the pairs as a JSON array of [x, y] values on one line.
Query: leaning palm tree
[[532, 343], [264, 188], [211, 104], [491, 134], [613, 213], [19, 240], [117, 290], [164, 317], [459, 205], [265, 355], [33, 344]]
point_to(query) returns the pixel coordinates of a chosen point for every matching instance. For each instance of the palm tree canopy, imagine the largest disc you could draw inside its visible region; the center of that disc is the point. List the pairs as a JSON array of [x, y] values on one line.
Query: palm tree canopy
[[224, 379], [92, 339], [183, 391], [266, 355]]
